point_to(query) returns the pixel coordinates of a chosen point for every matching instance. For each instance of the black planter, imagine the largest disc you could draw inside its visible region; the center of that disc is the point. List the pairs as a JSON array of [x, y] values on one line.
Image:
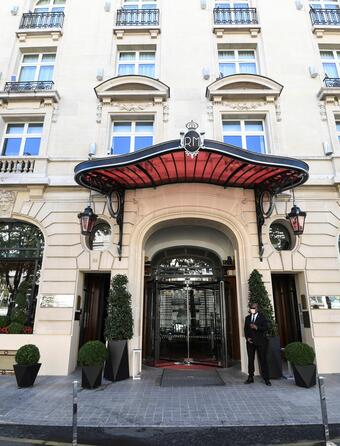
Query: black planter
[[91, 376], [26, 374], [305, 375], [274, 358], [117, 363]]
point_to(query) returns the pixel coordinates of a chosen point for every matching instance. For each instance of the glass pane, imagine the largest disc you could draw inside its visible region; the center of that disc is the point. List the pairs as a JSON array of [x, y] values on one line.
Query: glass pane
[[233, 140], [38, 10], [230, 55], [330, 69], [254, 126], [231, 126], [147, 56], [11, 147], [149, 6], [248, 68], [125, 69], [48, 58], [143, 141], [121, 145], [256, 144], [122, 127], [246, 55], [146, 70], [43, 2], [58, 9], [127, 56], [100, 237], [32, 146], [226, 69], [327, 54], [27, 74], [280, 237], [59, 2], [338, 126], [35, 128], [46, 73], [30, 58], [145, 127], [15, 129]]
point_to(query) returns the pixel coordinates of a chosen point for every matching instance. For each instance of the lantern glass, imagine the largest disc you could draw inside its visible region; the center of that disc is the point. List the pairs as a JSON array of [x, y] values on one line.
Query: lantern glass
[[297, 220], [87, 220]]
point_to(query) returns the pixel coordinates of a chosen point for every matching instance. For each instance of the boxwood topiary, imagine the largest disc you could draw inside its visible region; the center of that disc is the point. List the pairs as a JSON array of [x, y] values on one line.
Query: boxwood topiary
[[27, 355], [18, 316], [92, 353], [4, 321], [15, 328], [299, 353]]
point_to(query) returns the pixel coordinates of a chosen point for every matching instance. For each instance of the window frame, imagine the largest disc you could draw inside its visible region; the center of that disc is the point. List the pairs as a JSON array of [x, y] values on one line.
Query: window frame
[[335, 60], [132, 134], [243, 132], [139, 4], [38, 65], [23, 136], [232, 3], [237, 61], [323, 4], [48, 8], [136, 62]]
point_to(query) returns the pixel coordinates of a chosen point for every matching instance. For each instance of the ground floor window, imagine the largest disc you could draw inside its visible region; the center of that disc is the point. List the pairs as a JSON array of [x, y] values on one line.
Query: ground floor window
[[21, 250]]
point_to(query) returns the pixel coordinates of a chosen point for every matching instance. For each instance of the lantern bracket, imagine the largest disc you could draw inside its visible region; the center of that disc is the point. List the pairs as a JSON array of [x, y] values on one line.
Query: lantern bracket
[[261, 196], [117, 214]]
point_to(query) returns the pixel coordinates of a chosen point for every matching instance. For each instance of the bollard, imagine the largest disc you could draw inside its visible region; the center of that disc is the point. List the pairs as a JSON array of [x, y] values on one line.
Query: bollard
[[324, 411], [75, 412]]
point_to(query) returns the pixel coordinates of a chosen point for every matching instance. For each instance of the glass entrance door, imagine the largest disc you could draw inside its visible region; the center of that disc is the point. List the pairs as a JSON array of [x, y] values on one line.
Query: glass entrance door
[[190, 323]]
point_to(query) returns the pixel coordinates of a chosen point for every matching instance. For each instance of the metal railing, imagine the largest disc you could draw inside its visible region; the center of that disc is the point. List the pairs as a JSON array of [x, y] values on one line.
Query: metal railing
[[235, 16], [38, 20], [332, 82], [10, 165], [21, 87], [325, 16], [137, 17]]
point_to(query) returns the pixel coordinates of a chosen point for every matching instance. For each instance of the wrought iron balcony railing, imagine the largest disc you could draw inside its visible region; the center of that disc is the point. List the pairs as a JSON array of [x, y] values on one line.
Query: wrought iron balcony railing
[[22, 87], [332, 82], [42, 20], [325, 16], [137, 17], [235, 16]]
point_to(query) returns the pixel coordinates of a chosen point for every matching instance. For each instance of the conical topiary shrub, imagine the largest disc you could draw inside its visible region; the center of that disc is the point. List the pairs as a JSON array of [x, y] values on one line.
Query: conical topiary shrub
[[118, 329]]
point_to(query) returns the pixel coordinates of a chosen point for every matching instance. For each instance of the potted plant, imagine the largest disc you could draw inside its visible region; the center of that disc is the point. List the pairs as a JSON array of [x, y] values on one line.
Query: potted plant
[[302, 356], [27, 365], [259, 295], [91, 357], [118, 329]]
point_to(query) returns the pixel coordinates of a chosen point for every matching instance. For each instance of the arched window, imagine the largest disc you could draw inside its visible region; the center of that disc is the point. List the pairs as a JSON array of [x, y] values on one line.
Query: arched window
[[280, 236], [21, 251], [50, 6]]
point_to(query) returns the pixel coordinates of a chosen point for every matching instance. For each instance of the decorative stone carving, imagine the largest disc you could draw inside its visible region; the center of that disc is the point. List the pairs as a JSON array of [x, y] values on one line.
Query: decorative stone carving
[[132, 107], [7, 199], [99, 113], [165, 112], [323, 112], [55, 113], [243, 106], [210, 112], [278, 112]]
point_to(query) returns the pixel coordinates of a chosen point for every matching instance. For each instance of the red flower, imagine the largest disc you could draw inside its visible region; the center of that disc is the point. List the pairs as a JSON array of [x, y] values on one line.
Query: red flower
[[4, 330], [28, 330]]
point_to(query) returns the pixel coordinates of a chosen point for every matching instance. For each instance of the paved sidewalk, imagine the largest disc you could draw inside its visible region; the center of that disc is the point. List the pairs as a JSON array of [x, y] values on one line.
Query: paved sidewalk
[[144, 403]]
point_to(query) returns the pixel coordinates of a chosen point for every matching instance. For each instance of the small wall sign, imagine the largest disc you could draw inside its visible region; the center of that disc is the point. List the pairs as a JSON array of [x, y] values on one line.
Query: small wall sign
[[192, 141], [57, 301]]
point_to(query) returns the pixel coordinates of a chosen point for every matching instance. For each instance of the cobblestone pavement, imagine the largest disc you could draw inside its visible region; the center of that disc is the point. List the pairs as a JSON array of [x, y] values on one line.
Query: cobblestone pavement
[[144, 403]]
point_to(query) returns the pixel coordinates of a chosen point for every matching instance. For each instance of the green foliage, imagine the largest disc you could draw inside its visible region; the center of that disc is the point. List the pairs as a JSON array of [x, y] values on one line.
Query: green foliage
[[27, 355], [4, 321], [119, 322], [15, 328], [299, 353], [92, 353], [259, 295], [18, 316]]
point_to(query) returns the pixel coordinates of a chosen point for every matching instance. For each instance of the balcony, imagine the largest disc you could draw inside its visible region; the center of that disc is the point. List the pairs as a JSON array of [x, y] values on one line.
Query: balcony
[[137, 21], [235, 20], [331, 89], [23, 170], [325, 20], [41, 23], [28, 90]]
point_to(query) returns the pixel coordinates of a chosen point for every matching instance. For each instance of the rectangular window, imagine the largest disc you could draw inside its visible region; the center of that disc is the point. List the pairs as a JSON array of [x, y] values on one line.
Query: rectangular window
[[324, 4], [247, 134], [338, 130], [136, 62], [129, 136], [140, 4], [50, 6], [22, 139], [237, 61], [331, 63], [231, 4], [37, 67]]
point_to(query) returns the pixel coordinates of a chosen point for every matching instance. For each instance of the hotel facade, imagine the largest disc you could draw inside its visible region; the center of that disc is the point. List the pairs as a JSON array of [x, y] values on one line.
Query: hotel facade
[[190, 128]]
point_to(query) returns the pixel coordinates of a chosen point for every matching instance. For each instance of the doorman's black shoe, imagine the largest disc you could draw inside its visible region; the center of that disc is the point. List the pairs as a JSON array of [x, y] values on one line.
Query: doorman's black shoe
[[250, 380], [268, 383]]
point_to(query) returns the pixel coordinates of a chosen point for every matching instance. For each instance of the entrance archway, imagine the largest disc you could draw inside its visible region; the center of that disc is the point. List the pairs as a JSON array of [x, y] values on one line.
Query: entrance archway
[[190, 300]]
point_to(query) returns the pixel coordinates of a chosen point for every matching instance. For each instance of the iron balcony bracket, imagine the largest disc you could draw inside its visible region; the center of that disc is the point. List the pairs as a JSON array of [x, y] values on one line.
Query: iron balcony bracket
[[117, 214], [262, 214]]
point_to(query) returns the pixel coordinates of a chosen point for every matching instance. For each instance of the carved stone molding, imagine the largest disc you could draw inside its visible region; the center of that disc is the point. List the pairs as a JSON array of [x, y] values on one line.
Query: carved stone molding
[[166, 112], [130, 107], [210, 112], [99, 113], [278, 111], [243, 106], [7, 199], [323, 112]]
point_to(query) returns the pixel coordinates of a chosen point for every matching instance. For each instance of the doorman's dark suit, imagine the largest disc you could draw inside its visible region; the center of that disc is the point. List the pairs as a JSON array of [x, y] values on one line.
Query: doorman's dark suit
[[258, 342]]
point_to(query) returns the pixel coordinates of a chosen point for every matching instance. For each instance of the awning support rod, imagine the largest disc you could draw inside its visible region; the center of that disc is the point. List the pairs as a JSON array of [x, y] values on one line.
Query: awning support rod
[[117, 214]]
